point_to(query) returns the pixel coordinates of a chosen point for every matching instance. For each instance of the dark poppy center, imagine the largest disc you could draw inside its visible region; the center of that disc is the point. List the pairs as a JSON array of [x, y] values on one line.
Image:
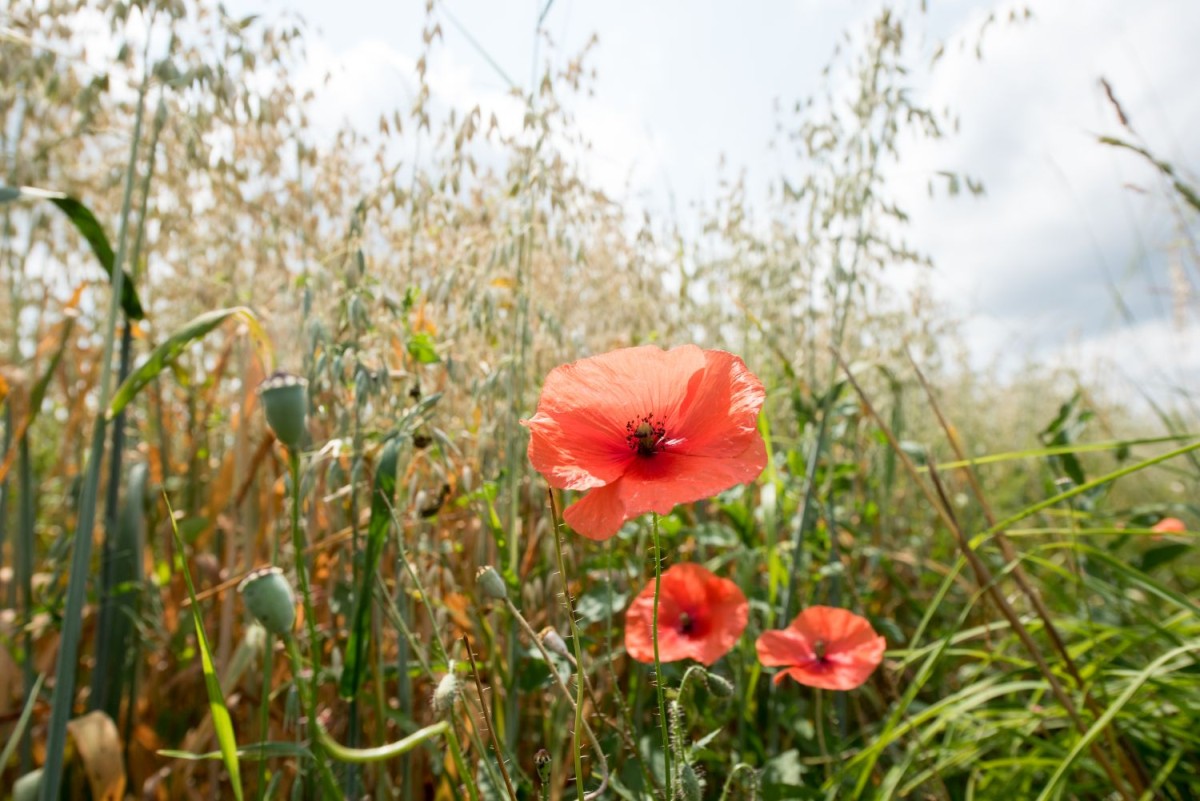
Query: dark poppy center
[[644, 434], [685, 623], [819, 650]]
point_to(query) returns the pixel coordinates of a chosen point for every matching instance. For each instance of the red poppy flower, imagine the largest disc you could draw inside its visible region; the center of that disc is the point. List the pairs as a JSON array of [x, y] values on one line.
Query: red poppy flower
[[644, 429], [700, 616], [825, 647], [1169, 525]]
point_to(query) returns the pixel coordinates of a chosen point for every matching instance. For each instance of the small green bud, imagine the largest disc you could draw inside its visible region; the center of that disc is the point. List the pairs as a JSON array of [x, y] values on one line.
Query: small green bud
[[446, 692], [269, 598], [28, 787], [719, 685], [541, 761], [285, 400], [553, 642], [490, 583], [690, 786]]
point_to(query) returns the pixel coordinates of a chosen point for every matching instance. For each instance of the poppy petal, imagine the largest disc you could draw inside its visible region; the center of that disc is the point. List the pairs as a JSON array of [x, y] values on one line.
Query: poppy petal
[[574, 450], [720, 409], [658, 484], [599, 514]]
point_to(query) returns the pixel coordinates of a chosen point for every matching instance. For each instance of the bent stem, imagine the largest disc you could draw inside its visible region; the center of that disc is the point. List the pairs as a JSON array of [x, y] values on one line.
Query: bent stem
[[658, 676], [579, 721], [364, 756]]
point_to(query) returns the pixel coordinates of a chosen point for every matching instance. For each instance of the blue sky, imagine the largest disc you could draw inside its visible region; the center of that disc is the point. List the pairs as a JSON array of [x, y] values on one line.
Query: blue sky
[[1032, 267]]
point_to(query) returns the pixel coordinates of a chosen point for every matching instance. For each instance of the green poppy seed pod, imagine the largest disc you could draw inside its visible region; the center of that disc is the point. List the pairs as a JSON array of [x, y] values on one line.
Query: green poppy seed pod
[[541, 761], [28, 787], [690, 786], [285, 400], [446, 692], [490, 583], [269, 598], [553, 642]]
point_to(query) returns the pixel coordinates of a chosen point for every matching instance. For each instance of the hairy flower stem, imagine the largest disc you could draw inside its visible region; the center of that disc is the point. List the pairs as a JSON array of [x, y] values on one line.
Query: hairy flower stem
[[364, 756], [329, 786], [579, 722], [299, 546], [602, 761], [483, 706], [658, 676]]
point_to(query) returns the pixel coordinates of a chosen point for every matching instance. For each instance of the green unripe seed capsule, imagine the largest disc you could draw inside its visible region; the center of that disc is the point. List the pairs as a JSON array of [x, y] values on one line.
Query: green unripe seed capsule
[[490, 583], [269, 598], [285, 400], [28, 787]]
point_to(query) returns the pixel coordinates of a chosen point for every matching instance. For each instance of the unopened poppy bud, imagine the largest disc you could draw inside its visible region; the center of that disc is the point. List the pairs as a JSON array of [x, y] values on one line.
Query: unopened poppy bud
[[269, 598], [446, 692], [490, 583], [690, 786], [553, 642], [719, 685], [28, 787], [541, 761], [285, 400]]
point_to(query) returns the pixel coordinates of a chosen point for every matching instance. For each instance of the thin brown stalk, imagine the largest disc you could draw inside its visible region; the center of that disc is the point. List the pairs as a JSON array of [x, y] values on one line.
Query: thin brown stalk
[[942, 506], [487, 721]]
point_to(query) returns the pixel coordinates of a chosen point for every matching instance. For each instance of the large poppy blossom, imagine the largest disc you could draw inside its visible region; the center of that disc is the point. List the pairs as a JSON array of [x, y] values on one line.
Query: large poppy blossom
[[644, 429], [825, 647], [700, 616]]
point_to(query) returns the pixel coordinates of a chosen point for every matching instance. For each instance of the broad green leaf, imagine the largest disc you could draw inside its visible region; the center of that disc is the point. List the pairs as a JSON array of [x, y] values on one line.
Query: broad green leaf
[[166, 353], [86, 223], [222, 722], [377, 529]]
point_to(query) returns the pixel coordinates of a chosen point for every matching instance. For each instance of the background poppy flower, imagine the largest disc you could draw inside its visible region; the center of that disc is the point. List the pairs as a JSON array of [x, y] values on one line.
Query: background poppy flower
[[825, 647], [644, 429], [1169, 525], [700, 616]]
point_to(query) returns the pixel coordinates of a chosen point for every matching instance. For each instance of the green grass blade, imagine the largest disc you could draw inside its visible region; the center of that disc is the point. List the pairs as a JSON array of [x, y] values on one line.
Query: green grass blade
[[169, 350], [222, 722], [89, 227], [1111, 712], [377, 529], [18, 732]]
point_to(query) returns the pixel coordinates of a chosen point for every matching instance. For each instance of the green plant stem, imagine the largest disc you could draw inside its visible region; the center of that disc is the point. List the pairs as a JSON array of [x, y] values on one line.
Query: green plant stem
[[601, 759], [264, 712], [483, 707], [741, 767], [299, 546], [658, 675], [577, 746], [364, 756], [329, 786], [62, 701]]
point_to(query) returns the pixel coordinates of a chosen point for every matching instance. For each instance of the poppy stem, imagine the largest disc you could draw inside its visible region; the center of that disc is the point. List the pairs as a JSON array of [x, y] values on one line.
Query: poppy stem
[[658, 676], [579, 721]]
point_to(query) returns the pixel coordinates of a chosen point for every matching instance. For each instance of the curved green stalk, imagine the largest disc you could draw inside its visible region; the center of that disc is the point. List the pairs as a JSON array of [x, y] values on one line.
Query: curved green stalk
[[562, 574]]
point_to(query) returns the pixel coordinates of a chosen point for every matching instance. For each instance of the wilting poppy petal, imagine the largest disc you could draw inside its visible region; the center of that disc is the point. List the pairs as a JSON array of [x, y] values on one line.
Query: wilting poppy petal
[[700, 617], [651, 427], [825, 647]]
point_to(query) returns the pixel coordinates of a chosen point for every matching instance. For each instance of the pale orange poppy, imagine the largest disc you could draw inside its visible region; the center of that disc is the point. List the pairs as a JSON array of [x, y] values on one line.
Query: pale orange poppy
[[643, 429], [700, 616], [825, 647]]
